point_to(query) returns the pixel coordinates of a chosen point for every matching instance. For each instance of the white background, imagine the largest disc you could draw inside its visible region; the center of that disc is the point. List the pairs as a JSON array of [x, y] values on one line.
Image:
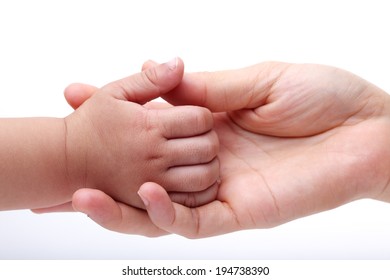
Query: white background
[[45, 45]]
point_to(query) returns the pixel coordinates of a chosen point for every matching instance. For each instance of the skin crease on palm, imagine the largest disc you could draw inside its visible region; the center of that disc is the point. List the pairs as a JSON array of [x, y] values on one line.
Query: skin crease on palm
[[297, 139]]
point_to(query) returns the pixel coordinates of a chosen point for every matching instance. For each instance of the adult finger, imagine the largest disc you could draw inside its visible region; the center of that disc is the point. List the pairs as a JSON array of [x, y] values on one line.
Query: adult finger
[[230, 90], [223, 91], [190, 199], [113, 215], [214, 218], [65, 207], [149, 84]]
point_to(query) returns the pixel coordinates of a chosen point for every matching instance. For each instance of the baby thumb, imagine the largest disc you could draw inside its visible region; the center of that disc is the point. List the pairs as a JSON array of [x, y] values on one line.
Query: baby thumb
[[149, 84]]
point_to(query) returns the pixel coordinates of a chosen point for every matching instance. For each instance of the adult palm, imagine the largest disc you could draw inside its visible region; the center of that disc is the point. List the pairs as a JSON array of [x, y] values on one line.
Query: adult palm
[[295, 140]]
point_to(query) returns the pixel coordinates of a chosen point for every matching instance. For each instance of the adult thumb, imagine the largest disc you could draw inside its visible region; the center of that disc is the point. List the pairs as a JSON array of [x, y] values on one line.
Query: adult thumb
[[213, 218], [149, 84], [230, 90]]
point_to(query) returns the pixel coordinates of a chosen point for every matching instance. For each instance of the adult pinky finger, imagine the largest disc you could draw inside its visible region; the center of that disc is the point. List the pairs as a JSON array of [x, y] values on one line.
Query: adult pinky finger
[[214, 218], [113, 215]]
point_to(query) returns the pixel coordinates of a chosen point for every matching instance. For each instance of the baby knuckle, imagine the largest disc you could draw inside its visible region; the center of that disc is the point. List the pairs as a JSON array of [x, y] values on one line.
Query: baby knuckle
[[154, 159]]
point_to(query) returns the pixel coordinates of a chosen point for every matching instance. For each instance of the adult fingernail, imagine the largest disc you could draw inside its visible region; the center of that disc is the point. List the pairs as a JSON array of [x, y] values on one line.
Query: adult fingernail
[[144, 200], [172, 64]]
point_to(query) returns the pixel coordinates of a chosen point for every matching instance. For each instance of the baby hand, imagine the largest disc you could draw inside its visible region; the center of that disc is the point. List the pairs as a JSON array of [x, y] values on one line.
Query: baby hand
[[115, 144]]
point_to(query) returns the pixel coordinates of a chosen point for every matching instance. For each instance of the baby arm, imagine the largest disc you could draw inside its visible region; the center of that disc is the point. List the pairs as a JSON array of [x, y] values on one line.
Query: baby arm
[[32, 163]]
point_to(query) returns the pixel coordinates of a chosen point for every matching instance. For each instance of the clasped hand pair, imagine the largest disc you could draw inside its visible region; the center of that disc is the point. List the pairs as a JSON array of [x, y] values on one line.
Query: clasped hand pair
[[295, 139]]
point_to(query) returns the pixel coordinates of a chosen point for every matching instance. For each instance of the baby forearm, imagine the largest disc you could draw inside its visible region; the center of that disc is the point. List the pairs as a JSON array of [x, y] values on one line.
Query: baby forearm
[[33, 169]]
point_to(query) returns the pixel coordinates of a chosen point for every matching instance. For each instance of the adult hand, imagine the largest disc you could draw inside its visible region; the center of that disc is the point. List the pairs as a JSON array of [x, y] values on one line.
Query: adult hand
[[296, 140]]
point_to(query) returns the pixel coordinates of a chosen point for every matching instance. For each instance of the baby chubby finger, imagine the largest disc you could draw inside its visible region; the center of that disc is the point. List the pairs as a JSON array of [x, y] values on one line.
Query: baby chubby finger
[[191, 178], [183, 121], [193, 150], [195, 199]]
